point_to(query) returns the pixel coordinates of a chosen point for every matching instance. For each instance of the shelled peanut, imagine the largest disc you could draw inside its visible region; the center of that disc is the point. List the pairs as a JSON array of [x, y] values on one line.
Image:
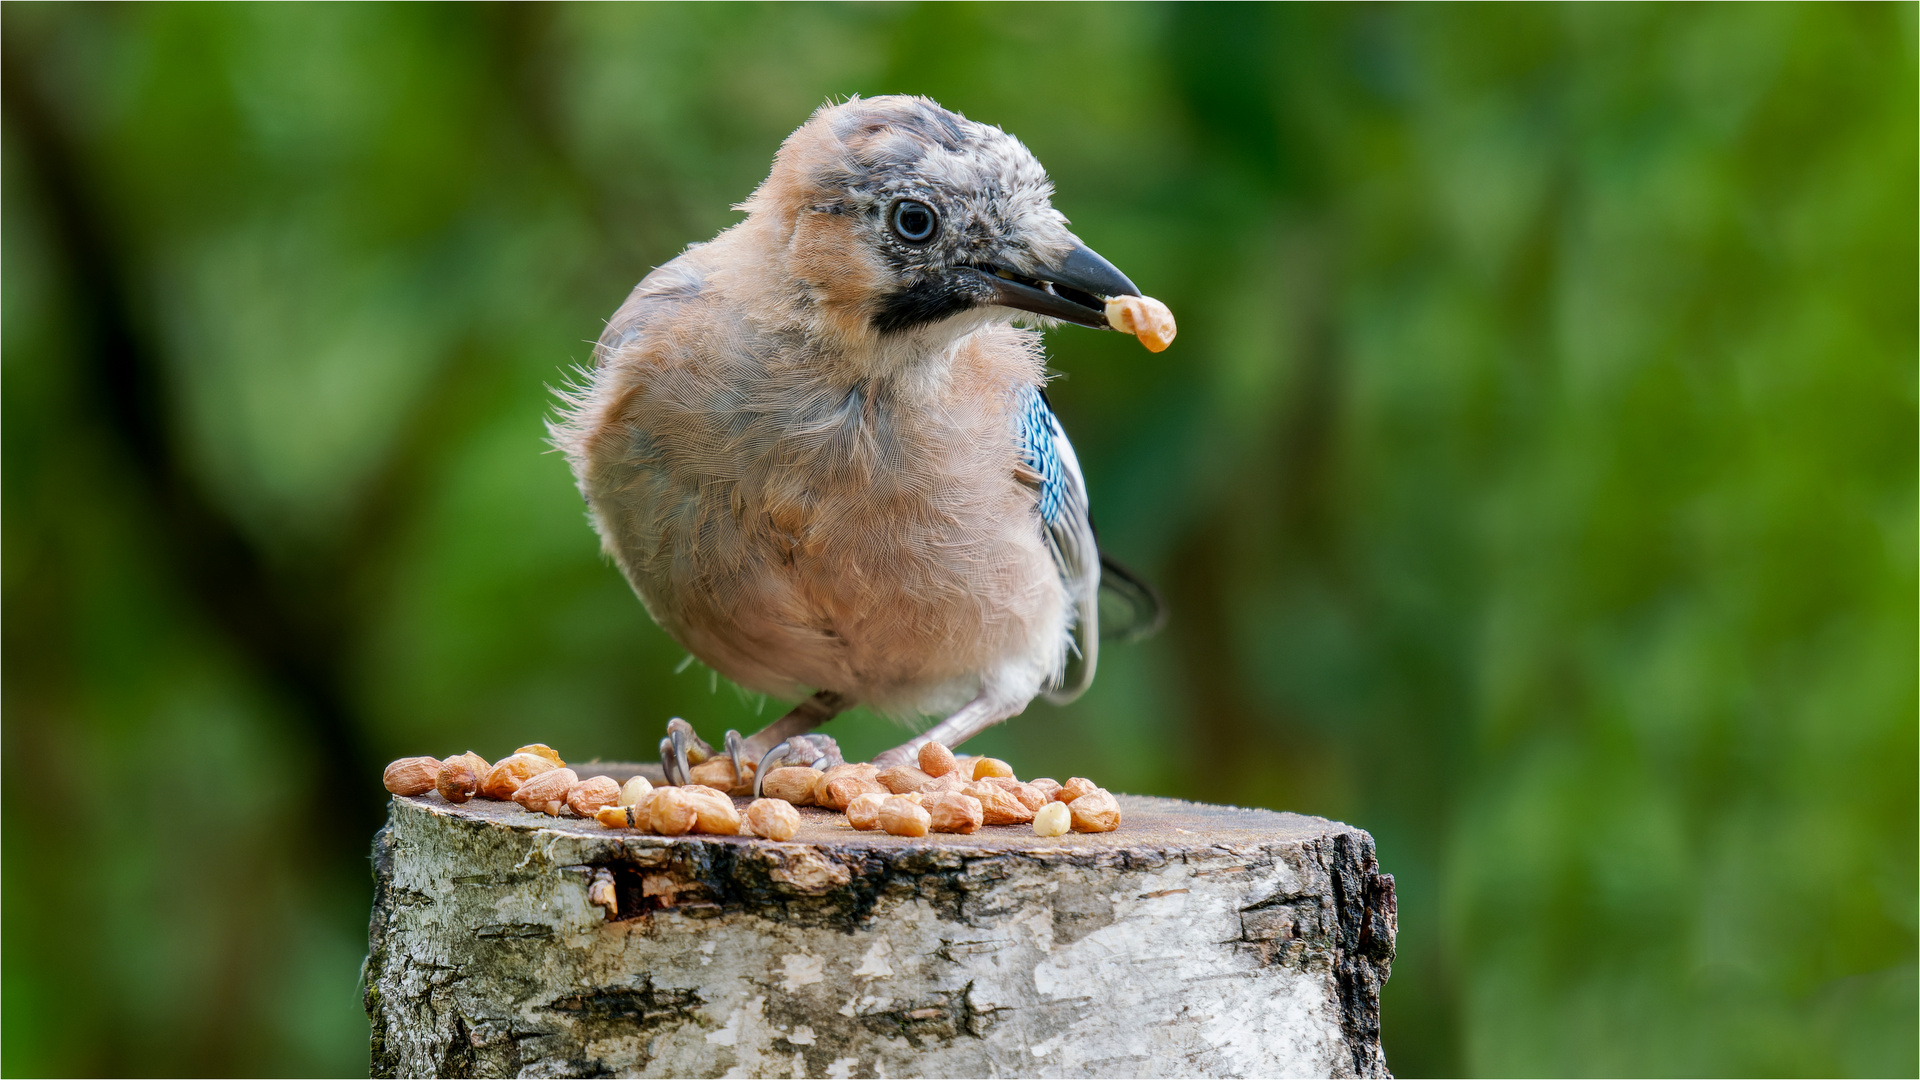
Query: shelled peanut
[[842, 784], [1096, 811], [718, 773], [713, 811], [901, 816], [936, 760], [1001, 807], [541, 749], [587, 797], [793, 784], [863, 813], [1075, 787], [953, 812], [1143, 317], [671, 811], [775, 819], [512, 771], [1053, 819], [411, 776], [547, 791], [986, 767], [460, 776], [903, 779]]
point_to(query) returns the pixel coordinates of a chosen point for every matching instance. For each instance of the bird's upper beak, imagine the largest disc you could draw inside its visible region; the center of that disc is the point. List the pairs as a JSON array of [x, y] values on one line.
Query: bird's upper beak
[[1073, 289]]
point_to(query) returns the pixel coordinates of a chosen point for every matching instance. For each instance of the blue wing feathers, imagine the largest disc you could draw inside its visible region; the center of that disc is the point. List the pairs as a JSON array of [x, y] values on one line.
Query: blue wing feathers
[[1068, 528], [1038, 430]]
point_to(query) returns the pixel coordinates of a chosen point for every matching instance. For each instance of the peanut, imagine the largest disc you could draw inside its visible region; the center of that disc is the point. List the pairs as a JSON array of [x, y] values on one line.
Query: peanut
[[509, 773], [1096, 811], [588, 796], [460, 775], [1030, 797], [718, 773], [794, 784], [601, 894], [1047, 785], [990, 766], [902, 779], [671, 811], [547, 792], [853, 768], [998, 805], [1074, 788], [775, 819], [411, 775], [1145, 318], [863, 812], [843, 789], [635, 791], [936, 759], [634, 816], [900, 817], [1053, 819], [714, 812], [953, 781], [541, 749], [952, 812]]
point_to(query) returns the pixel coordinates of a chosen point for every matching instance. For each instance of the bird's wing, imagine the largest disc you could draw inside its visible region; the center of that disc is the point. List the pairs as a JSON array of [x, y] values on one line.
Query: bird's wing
[[668, 286], [1068, 526]]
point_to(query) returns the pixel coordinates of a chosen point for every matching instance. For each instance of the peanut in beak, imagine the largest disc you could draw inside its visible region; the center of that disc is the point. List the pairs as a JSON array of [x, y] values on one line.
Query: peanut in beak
[[1143, 317]]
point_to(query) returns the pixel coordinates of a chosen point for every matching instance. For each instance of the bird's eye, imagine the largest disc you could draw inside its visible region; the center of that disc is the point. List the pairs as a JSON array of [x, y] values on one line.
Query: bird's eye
[[914, 222]]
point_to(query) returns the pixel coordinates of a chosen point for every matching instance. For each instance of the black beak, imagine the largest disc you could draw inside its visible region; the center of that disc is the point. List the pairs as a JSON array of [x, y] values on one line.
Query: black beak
[[1075, 289]]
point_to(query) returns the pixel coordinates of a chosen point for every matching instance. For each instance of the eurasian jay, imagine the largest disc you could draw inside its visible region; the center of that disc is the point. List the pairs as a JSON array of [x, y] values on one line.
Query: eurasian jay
[[822, 454]]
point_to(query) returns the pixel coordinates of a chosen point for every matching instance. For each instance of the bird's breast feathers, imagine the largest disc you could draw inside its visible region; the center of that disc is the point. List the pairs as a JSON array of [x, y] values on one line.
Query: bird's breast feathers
[[797, 522]]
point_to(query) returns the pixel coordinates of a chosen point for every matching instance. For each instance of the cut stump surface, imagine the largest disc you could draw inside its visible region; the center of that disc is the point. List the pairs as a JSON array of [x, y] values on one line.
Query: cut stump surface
[[1195, 941]]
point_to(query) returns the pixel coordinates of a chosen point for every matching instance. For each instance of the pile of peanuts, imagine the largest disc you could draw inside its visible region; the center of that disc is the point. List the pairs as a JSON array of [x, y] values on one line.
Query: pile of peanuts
[[533, 776], [945, 794]]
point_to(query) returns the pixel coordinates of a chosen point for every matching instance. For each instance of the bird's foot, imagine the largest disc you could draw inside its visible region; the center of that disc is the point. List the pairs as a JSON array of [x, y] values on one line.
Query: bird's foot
[[686, 758], [811, 751], [682, 749]]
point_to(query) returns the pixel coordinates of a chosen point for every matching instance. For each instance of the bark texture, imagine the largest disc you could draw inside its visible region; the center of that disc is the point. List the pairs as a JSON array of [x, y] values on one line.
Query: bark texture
[[1195, 941]]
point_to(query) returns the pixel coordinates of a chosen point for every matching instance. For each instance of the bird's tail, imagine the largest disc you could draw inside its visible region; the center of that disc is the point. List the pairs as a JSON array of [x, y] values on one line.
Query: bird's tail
[[1140, 612]]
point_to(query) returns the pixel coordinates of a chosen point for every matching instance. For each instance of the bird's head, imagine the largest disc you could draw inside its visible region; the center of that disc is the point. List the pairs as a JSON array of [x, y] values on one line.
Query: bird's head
[[903, 219]]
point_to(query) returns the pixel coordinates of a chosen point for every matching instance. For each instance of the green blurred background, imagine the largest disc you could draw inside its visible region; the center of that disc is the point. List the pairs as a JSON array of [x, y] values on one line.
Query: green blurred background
[[1533, 482]]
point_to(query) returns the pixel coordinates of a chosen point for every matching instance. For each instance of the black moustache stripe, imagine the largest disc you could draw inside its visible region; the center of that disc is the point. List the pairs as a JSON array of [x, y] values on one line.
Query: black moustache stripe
[[924, 302]]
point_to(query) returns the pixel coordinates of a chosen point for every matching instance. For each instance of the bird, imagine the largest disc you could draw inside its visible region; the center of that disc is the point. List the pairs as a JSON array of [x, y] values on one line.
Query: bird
[[819, 446]]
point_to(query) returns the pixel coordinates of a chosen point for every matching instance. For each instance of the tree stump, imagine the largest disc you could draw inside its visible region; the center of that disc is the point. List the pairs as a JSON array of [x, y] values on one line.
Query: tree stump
[[1195, 941]]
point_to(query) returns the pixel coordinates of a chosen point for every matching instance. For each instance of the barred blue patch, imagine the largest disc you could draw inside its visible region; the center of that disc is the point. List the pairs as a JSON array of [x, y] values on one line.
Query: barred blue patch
[[1037, 432]]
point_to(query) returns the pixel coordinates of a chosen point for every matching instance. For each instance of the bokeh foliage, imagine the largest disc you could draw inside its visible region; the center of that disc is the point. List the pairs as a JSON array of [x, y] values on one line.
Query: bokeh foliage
[[1533, 482]]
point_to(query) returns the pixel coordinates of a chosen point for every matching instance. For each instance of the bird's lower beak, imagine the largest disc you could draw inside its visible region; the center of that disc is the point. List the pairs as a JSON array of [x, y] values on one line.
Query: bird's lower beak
[[1073, 289]]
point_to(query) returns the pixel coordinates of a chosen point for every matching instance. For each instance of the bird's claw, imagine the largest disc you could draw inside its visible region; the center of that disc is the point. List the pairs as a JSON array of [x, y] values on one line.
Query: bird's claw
[[742, 757], [680, 750], [812, 751]]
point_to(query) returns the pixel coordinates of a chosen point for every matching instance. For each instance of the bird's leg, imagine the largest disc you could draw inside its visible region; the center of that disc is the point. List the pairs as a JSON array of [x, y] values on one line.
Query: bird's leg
[[969, 720], [681, 748], [799, 720]]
